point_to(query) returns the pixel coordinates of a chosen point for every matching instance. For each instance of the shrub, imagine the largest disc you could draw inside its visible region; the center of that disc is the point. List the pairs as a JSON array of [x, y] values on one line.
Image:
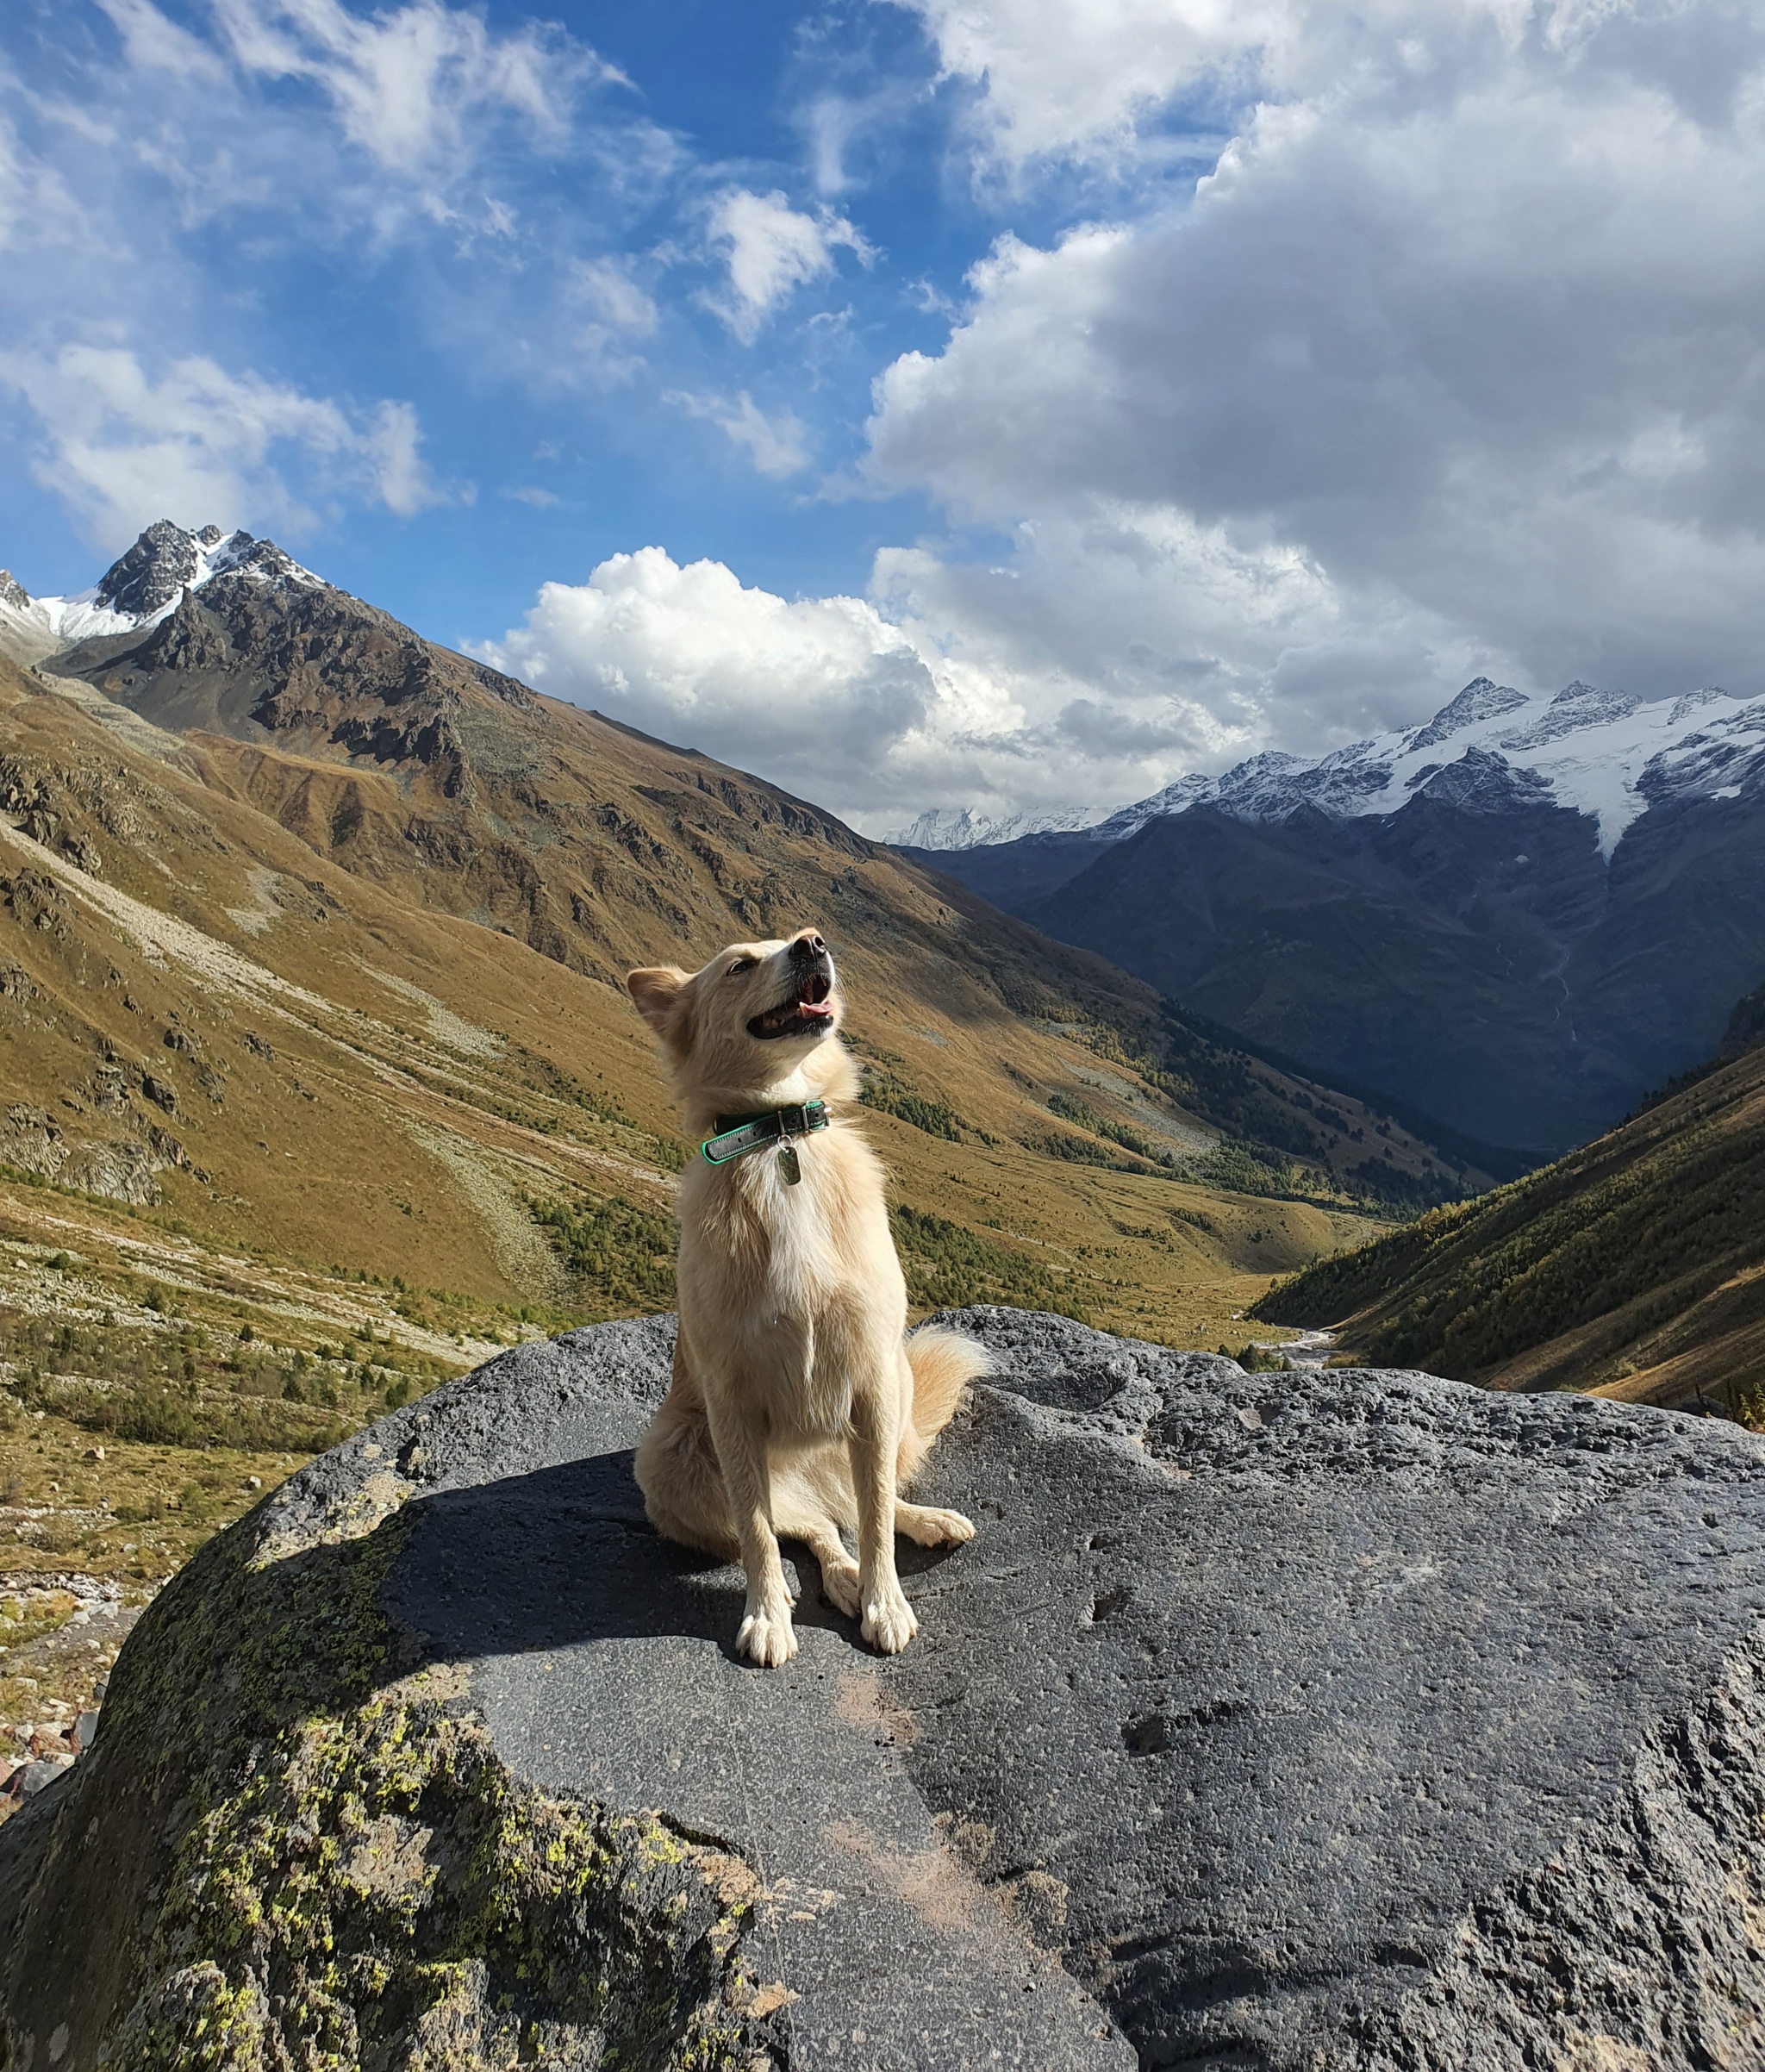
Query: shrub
[[891, 1095], [948, 1267], [621, 1255], [1070, 1109]]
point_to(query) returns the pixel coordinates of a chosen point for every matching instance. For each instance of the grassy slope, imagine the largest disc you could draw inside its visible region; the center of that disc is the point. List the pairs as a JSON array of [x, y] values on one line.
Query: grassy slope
[[1634, 1268], [368, 1053]]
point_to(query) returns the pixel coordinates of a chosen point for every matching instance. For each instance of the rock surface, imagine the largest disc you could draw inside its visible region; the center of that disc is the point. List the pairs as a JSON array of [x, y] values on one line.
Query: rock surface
[[1353, 1719]]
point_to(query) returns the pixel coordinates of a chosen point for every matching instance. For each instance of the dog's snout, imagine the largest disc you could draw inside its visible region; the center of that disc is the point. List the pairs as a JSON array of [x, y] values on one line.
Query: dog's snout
[[808, 944]]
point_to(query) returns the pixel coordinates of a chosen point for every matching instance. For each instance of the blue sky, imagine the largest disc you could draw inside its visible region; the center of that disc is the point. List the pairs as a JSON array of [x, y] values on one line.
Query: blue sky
[[1013, 404], [464, 323]]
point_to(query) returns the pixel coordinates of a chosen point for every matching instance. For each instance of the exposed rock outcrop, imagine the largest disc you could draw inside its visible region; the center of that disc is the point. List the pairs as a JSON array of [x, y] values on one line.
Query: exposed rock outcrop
[[1348, 1720]]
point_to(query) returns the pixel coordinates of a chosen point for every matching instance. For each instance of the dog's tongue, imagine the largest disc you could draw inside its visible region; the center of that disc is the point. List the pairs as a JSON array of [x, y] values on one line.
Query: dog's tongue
[[813, 1010]]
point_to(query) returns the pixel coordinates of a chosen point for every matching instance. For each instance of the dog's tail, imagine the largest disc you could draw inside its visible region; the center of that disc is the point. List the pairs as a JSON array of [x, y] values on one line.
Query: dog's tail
[[943, 1364]]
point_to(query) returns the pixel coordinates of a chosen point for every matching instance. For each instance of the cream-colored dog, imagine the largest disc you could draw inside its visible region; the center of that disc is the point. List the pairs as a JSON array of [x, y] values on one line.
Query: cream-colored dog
[[798, 1404]]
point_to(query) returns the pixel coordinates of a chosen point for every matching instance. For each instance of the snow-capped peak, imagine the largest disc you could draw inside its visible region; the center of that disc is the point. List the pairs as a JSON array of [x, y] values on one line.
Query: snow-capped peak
[[142, 585], [951, 828], [1603, 753], [1479, 699]]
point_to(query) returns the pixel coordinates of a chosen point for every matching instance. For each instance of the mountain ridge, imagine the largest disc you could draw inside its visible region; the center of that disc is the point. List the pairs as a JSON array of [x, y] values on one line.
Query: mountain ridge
[[1519, 917], [1634, 1268], [1627, 753], [445, 790]]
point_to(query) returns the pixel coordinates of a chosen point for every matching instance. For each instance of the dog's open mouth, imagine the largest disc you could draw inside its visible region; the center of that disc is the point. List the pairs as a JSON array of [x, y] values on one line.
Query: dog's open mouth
[[807, 1013]]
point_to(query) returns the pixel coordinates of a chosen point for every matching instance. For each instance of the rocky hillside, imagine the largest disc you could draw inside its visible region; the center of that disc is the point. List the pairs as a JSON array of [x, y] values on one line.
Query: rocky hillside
[[1516, 919], [1353, 1722], [1634, 1267]]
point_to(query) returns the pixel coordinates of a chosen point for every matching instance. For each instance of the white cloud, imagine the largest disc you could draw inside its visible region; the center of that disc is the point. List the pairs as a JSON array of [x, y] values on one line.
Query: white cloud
[[37, 210], [406, 84], [1075, 75], [604, 314], [1031, 686], [772, 249], [161, 191], [122, 448], [388, 447], [541, 500], [152, 42], [822, 695], [1092, 78], [778, 445], [1457, 358], [1118, 646]]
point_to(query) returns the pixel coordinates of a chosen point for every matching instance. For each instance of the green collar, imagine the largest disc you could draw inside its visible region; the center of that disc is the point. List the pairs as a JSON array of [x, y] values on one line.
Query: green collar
[[737, 1135]]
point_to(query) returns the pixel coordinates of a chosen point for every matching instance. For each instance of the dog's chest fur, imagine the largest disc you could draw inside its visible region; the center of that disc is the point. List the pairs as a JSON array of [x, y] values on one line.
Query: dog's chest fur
[[774, 1275]]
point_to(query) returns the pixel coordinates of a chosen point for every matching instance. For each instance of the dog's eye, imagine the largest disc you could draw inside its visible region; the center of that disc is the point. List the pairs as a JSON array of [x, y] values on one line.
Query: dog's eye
[[743, 964]]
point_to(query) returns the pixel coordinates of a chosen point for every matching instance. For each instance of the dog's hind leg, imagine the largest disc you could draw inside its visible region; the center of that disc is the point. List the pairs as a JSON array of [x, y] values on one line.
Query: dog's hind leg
[[676, 1469], [928, 1526]]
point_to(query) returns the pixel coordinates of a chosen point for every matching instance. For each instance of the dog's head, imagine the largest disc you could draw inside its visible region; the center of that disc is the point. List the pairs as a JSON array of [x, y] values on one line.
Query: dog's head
[[753, 1027]]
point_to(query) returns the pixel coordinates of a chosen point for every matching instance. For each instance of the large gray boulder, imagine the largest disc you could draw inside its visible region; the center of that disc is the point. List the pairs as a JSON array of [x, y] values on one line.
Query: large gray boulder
[[1350, 1719]]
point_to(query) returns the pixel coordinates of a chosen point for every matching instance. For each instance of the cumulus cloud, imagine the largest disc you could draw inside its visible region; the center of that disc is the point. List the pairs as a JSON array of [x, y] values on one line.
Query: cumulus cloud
[[1118, 646], [1001, 688], [822, 695], [124, 447], [1457, 354], [770, 249], [1076, 75]]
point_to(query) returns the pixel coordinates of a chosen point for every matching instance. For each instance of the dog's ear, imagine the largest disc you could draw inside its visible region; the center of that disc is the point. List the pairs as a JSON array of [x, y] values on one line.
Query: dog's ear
[[655, 991]]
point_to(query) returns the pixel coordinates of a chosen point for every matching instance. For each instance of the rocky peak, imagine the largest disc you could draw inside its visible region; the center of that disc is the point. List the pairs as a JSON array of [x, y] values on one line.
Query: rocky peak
[[1481, 699], [151, 574], [1575, 709], [262, 559], [167, 560], [1482, 781], [12, 592]]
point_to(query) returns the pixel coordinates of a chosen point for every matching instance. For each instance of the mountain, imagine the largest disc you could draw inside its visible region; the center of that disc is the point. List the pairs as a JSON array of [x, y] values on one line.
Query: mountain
[[139, 590], [1517, 918], [946, 828], [1633, 1268], [318, 932]]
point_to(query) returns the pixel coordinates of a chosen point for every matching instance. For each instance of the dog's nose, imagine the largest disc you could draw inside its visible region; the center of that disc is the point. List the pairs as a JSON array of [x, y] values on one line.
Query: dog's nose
[[808, 944]]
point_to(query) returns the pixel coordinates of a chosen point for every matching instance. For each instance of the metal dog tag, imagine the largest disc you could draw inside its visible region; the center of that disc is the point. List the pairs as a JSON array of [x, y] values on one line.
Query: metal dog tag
[[789, 1164]]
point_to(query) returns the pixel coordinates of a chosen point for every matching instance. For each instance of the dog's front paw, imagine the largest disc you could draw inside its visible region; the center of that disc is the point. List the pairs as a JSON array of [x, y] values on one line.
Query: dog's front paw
[[840, 1586], [767, 1638], [888, 1621]]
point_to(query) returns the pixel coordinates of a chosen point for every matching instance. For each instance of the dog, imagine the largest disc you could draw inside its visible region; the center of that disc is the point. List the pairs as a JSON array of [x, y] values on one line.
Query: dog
[[799, 1405]]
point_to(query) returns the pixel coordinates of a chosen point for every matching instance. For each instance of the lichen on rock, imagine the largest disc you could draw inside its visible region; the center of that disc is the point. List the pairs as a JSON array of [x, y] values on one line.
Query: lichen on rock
[[342, 1872]]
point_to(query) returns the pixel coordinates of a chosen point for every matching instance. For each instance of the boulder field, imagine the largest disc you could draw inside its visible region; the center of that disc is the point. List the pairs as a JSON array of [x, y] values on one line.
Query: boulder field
[[1340, 1719]]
